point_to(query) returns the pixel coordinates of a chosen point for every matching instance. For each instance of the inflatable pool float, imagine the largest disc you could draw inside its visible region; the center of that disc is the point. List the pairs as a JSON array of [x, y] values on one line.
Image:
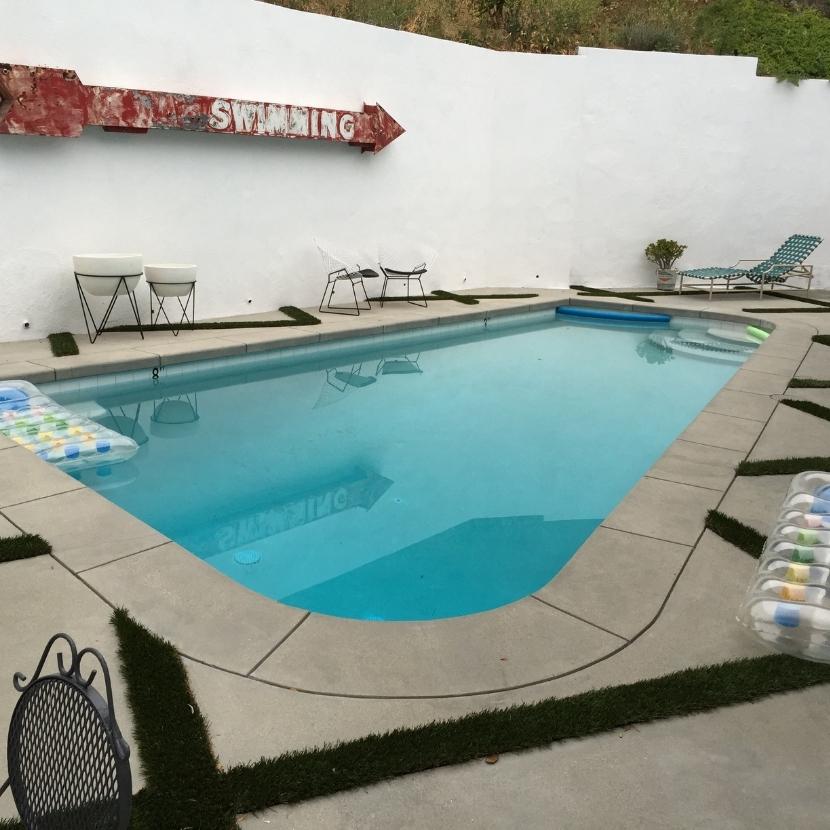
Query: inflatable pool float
[[788, 603], [758, 334], [610, 314], [732, 335], [66, 439]]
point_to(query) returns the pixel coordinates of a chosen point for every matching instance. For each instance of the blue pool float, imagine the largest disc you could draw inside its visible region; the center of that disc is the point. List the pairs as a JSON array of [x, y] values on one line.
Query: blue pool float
[[610, 314]]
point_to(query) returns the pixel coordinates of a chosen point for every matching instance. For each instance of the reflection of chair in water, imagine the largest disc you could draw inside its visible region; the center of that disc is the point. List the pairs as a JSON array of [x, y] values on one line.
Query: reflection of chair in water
[[175, 416], [340, 381], [343, 377], [399, 365]]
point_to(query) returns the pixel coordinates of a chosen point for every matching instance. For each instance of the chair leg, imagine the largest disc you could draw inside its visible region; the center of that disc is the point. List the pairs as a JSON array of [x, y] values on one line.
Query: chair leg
[[383, 291], [711, 286], [325, 291], [356, 304], [368, 301]]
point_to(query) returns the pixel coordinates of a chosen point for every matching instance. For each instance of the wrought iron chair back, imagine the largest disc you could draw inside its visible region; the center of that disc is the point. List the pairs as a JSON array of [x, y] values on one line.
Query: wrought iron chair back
[[69, 766]]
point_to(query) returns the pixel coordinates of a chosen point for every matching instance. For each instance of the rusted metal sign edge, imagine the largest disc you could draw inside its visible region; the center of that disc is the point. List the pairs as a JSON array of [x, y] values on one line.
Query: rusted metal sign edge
[[37, 100]]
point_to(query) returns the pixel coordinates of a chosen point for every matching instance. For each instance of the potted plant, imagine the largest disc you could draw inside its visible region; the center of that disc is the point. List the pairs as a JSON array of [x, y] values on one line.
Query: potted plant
[[664, 253]]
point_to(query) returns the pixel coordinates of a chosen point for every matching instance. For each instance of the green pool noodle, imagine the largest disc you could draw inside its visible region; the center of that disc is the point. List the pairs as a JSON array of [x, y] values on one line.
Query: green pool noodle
[[758, 334]]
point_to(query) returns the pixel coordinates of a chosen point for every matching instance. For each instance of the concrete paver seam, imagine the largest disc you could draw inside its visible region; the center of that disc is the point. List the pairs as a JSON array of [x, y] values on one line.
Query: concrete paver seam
[[121, 558], [279, 643], [577, 617]]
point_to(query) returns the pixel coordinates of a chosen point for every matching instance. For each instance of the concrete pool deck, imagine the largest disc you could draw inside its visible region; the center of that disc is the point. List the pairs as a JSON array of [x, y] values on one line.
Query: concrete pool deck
[[296, 679]]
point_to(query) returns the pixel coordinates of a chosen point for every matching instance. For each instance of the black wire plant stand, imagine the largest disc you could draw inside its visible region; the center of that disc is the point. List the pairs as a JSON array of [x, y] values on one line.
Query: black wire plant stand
[[89, 317], [190, 301], [69, 766]]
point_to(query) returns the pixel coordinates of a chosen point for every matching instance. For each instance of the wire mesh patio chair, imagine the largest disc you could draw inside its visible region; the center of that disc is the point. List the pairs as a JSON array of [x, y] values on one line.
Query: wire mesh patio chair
[[390, 260], [340, 271], [69, 766]]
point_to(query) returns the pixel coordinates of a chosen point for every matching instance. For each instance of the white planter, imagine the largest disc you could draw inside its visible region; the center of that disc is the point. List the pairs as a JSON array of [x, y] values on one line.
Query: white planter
[[99, 273], [171, 279]]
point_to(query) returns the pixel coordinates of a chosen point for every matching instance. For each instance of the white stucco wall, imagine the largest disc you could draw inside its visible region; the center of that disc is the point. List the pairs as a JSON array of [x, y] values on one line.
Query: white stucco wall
[[520, 170]]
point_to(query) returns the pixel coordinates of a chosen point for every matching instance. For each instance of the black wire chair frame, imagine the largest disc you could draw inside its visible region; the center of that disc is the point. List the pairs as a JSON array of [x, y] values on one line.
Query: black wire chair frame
[[413, 275], [98, 328], [354, 278], [69, 765], [190, 300]]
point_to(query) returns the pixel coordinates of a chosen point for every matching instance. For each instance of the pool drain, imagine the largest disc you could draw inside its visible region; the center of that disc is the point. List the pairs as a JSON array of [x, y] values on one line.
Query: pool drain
[[247, 557]]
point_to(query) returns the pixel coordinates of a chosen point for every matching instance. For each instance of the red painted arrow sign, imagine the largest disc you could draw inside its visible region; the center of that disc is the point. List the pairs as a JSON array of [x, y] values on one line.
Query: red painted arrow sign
[[38, 100]]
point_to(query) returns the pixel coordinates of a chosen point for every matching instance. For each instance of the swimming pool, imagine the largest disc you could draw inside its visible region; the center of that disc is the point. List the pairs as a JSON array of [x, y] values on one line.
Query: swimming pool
[[416, 476]]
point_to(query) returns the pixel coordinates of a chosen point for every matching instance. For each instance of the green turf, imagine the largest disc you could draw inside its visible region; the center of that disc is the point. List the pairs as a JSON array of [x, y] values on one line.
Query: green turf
[[824, 339], [297, 776], [10, 824], [736, 533], [183, 786], [783, 466], [809, 383], [809, 407], [797, 298], [23, 547], [465, 299], [587, 291], [63, 344], [297, 317], [787, 310]]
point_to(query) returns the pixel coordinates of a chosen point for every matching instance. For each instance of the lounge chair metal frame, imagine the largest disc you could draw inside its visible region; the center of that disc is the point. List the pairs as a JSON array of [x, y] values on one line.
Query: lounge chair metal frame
[[776, 271], [798, 270]]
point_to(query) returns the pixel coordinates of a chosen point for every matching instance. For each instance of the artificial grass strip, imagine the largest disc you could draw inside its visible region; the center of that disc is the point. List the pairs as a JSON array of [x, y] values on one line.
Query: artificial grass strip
[[183, 785], [809, 407], [587, 291], [10, 824], [297, 317], [783, 466], [186, 789], [736, 533], [297, 776], [631, 298], [809, 300], [787, 310], [63, 344], [458, 298], [823, 339], [26, 546], [465, 299], [809, 383]]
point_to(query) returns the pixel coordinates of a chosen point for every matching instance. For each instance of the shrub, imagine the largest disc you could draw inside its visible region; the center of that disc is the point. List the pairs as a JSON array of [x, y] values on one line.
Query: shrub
[[647, 35], [664, 253], [790, 45]]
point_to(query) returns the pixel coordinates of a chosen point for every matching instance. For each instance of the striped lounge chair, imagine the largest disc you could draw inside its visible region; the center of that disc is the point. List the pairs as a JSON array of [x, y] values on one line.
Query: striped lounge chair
[[785, 263]]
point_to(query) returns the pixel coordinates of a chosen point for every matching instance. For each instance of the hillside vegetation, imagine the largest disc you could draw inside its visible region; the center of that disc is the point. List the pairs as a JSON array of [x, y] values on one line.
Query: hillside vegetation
[[791, 39]]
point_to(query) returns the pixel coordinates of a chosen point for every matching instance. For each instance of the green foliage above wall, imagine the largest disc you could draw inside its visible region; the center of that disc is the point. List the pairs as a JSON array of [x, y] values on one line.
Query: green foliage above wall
[[791, 39], [790, 44]]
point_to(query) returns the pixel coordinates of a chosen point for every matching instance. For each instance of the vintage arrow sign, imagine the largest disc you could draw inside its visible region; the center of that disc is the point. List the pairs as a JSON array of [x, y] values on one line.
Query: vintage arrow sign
[[38, 100]]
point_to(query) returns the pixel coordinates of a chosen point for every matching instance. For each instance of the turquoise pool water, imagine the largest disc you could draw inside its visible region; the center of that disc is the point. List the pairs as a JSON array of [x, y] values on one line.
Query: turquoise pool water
[[400, 479]]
